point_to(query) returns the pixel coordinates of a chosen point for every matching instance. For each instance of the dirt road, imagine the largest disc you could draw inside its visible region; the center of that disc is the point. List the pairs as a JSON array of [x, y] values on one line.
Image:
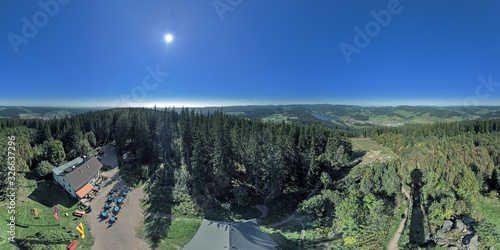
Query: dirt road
[[110, 156], [393, 245], [121, 235]]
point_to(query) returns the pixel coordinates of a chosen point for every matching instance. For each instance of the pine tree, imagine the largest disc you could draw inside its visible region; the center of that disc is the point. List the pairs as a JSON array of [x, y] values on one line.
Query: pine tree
[[122, 134], [56, 153]]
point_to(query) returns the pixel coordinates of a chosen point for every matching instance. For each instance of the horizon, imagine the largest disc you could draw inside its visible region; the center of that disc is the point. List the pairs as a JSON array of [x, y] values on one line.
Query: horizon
[[244, 105], [193, 54]]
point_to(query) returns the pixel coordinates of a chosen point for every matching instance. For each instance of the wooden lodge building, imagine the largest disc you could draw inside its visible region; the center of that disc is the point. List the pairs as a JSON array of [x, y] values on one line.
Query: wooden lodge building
[[79, 176]]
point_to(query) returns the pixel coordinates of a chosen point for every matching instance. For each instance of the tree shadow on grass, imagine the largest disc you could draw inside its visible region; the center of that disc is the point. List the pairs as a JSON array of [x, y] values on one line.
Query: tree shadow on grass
[[17, 224], [285, 243], [28, 226], [46, 240], [49, 194], [157, 229], [47, 243], [359, 153], [157, 220], [211, 209]]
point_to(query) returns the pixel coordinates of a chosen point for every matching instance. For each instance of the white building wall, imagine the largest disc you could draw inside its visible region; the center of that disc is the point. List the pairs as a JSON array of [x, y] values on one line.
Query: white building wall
[[63, 181]]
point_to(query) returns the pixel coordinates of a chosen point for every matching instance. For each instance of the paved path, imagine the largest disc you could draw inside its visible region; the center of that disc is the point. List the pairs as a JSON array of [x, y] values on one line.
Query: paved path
[[393, 245], [109, 157], [121, 235]]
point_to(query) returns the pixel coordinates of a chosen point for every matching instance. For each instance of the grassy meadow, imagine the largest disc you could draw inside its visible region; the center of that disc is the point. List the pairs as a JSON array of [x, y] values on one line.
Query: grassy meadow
[[43, 195], [369, 150]]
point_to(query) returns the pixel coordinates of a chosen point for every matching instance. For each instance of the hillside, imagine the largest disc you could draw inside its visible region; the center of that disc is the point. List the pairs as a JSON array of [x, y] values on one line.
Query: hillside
[[40, 112], [342, 116], [339, 192], [352, 116]]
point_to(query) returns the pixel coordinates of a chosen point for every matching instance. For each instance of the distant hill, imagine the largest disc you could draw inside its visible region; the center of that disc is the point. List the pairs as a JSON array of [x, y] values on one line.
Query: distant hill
[[349, 116], [41, 112], [352, 116]]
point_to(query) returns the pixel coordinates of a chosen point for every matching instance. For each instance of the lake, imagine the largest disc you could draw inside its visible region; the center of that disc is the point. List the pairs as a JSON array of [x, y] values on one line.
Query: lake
[[325, 118]]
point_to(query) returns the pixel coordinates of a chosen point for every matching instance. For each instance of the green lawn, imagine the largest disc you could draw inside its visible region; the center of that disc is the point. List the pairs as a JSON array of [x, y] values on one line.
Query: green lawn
[[182, 231], [490, 209], [385, 118], [369, 150], [287, 236], [235, 113], [414, 118], [163, 233], [43, 196], [168, 234], [336, 122]]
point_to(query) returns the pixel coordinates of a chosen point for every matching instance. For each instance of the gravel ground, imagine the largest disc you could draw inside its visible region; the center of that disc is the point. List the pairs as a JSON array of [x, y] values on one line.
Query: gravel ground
[[110, 157], [120, 235]]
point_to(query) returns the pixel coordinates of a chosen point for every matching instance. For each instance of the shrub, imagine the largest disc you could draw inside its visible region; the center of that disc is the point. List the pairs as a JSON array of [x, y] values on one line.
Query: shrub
[[493, 194], [43, 169], [105, 168]]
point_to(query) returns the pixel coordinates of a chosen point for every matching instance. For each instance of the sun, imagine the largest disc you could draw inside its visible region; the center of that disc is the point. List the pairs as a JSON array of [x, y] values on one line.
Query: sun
[[169, 38]]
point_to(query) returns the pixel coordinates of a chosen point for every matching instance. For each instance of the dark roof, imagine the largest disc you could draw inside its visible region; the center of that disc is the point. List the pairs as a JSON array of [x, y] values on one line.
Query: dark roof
[[82, 173], [230, 235]]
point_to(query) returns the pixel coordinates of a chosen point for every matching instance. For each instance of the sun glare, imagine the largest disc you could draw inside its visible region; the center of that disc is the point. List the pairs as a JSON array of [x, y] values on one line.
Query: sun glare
[[169, 38]]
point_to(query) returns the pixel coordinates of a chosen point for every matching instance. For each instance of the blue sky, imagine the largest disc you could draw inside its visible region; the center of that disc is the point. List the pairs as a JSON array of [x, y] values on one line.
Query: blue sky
[[102, 53]]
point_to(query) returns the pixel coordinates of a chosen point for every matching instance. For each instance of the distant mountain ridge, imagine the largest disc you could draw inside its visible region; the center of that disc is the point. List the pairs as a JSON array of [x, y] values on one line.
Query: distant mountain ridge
[[349, 116], [41, 112], [353, 116]]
